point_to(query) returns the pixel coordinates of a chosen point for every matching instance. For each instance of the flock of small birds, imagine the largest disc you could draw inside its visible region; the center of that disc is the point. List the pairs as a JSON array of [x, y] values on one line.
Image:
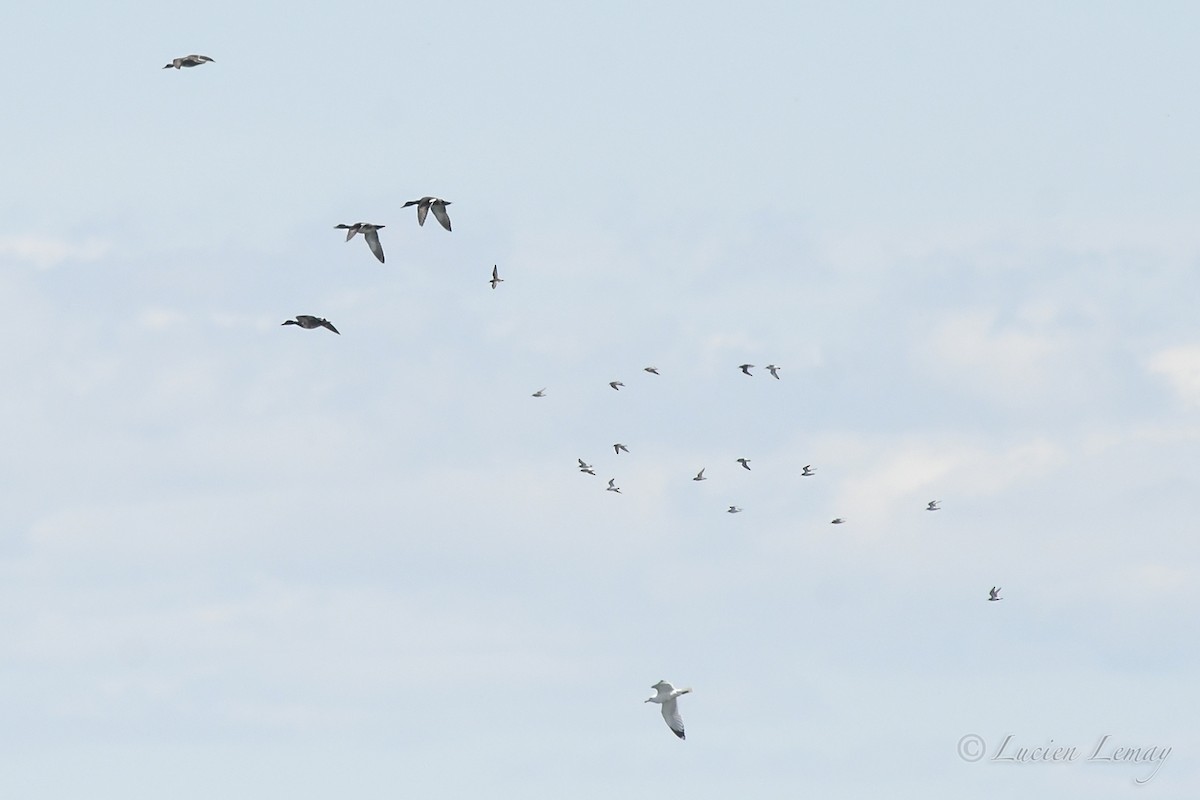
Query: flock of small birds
[[666, 694]]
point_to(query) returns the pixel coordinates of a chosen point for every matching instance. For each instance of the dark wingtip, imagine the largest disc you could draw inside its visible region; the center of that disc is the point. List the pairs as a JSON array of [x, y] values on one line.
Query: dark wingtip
[[678, 733]]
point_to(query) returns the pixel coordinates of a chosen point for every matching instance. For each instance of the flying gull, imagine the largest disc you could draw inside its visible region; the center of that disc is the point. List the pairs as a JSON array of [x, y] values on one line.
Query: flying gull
[[540, 392], [439, 210], [734, 510], [774, 370], [700, 476], [616, 385], [994, 594], [836, 521], [612, 486], [933, 505], [495, 276], [370, 233], [652, 370], [808, 471], [309, 322], [745, 462], [618, 447], [670, 709]]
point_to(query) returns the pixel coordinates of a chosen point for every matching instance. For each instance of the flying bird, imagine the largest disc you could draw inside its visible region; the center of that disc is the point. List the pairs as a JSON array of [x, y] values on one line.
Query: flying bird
[[651, 370], [616, 385], [774, 370], [836, 521], [540, 392], [745, 462], [746, 369], [670, 709], [588, 470], [933, 505], [439, 210], [612, 486], [370, 233], [188, 61], [309, 322], [618, 447], [583, 464], [734, 510], [495, 276], [994, 594], [808, 471], [700, 476]]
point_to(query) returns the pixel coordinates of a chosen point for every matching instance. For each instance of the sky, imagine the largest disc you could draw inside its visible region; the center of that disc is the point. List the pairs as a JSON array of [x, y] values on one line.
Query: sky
[[243, 560]]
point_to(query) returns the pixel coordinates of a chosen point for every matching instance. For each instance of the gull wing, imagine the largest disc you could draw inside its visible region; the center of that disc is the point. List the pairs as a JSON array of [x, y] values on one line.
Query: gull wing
[[372, 238], [670, 712]]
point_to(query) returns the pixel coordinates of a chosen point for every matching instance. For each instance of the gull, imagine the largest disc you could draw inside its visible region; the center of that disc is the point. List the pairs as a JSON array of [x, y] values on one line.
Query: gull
[[734, 510], [670, 709], [588, 470], [188, 61], [618, 447], [370, 233], [439, 210], [933, 505], [612, 486], [539, 393], [583, 464], [616, 385], [700, 476], [808, 471], [746, 369], [495, 276], [994, 594], [745, 462], [651, 370], [774, 370], [309, 322], [836, 521]]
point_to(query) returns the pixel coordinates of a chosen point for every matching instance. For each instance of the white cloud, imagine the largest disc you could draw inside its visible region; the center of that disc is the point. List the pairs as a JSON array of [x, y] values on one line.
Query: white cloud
[[1180, 366]]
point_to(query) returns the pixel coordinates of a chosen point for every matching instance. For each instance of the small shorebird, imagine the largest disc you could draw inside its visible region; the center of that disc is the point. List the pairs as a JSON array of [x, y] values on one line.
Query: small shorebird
[[670, 709], [495, 276], [933, 505], [539, 393], [612, 486], [583, 464], [651, 370], [370, 233], [734, 510], [618, 447], [774, 370], [588, 470], [808, 471], [836, 521], [188, 61], [439, 210], [994, 594], [616, 385], [745, 462], [309, 322], [746, 369], [700, 476]]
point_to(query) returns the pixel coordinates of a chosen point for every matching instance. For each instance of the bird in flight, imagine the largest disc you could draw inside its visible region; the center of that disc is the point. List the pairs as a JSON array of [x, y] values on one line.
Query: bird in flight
[[188, 61], [612, 486], [836, 521], [774, 370], [616, 385], [651, 370], [745, 462], [495, 276], [700, 476], [670, 709], [746, 369], [618, 447], [734, 510], [808, 471], [439, 210], [933, 505], [309, 322], [994, 594], [370, 233], [540, 392], [588, 470]]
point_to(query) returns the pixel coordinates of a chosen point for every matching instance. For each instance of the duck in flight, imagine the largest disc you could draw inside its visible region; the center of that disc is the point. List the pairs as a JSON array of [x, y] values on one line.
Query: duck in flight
[[439, 210], [309, 322], [188, 61], [370, 233]]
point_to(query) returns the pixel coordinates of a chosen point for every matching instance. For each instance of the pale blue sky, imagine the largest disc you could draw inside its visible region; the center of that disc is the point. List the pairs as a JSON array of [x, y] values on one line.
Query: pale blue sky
[[239, 560]]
